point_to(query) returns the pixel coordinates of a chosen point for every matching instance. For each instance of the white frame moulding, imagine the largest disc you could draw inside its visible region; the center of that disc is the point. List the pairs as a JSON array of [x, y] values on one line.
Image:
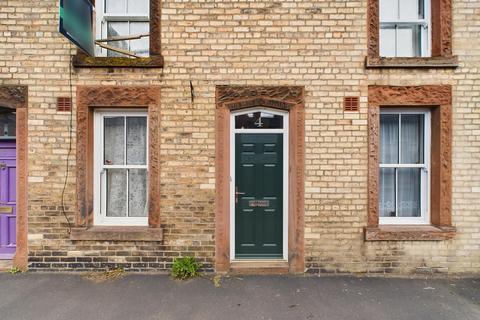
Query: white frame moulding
[[424, 219], [285, 133], [99, 178]]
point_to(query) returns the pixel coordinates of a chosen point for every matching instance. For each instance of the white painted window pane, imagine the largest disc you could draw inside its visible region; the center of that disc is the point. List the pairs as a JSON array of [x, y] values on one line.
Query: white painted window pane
[[136, 140], [389, 10], [409, 190], [137, 193], [387, 192], [115, 29], [115, 6], [140, 46], [114, 142], [387, 42], [389, 138], [138, 6], [412, 138], [116, 193], [404, 42], [409, 10], [408, 41]]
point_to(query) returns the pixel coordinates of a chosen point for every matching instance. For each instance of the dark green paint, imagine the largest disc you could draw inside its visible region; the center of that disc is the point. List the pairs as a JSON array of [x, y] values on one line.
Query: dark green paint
[[259, 174]]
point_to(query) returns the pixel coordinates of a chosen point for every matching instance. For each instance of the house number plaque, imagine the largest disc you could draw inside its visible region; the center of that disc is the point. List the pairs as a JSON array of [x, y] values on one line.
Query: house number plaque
[[259, 203], [4, 209]]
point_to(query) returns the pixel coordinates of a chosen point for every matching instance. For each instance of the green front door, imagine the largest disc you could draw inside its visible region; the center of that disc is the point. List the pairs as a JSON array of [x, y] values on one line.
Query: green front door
[[258, 195]]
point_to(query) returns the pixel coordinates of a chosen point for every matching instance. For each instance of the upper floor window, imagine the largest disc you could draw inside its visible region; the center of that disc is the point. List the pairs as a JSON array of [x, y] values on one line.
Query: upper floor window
[[121, 18], [405, 28]]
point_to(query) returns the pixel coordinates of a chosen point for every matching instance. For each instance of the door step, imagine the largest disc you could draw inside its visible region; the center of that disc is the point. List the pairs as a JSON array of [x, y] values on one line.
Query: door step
[[255, 267], [5, 265]]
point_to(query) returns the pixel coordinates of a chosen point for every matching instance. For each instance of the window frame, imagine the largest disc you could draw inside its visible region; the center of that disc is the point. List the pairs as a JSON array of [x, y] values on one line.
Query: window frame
[[102, 19], [426, 31], [99, 179], [441, 40], [424, 218]]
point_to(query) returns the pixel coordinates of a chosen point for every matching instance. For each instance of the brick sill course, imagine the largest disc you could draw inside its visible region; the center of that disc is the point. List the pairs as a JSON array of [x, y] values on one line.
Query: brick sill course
[[409, 233], [427, 62], [117, 234], [84, 61]]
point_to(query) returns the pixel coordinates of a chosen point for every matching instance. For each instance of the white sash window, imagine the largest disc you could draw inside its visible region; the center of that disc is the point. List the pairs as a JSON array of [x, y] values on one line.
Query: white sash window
[[404, 166], [121, 168], [405, 28], [122, 18]]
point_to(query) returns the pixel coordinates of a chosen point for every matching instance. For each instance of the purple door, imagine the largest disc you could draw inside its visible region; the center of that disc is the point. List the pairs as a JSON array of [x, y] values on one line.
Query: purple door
[[8, 208]]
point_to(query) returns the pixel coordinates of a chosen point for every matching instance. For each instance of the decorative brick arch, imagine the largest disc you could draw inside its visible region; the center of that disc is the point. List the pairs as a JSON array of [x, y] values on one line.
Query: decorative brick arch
[[16, 97], [287, 98]]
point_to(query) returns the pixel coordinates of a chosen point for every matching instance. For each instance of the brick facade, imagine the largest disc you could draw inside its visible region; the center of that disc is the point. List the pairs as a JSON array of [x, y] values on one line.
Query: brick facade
[[318, 45]]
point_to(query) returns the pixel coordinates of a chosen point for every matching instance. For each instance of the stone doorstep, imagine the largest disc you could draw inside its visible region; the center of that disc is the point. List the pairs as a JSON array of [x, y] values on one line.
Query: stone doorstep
[[5, 265], [253, 267]]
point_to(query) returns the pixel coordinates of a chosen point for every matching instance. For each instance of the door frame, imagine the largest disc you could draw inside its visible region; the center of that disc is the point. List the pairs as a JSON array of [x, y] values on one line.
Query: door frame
[[230, 98], [16, 97], [285, 139]]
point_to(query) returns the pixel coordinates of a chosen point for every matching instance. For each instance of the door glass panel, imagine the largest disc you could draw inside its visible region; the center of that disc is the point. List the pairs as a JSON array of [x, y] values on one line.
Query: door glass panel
[[409, 181], [389, 138], [116, 192], [136, 140], [114, 141], [387, 192], [7, 123], [412, 138], [115, 6], [259, 120], [137, 193]]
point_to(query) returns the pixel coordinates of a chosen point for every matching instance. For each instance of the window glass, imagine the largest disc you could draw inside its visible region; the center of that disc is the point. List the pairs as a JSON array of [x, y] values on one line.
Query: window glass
[[412, 138], [409, 9], [114, 142], [409, 192], [7, 123], [387, 192], [388, 42], [116, 192], [388, 10], [137, 193], [140, 46], [136, 140], [408, 41], [115, 6], [259, 120], [138, 6], [389, 138]]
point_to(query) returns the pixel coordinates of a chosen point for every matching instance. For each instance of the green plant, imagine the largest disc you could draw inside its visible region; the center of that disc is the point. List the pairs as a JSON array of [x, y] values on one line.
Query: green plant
[[14, 270], [184, 268]]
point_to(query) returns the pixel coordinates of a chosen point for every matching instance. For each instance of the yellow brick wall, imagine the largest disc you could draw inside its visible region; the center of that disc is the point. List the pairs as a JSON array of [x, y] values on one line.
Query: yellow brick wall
[[317, 44]]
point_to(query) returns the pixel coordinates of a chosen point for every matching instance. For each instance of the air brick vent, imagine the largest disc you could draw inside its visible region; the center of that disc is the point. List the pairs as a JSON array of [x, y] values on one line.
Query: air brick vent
[[64, 104], [351, 104]]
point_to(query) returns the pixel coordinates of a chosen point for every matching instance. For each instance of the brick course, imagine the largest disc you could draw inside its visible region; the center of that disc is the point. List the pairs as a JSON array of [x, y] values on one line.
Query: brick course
[[320, 45]]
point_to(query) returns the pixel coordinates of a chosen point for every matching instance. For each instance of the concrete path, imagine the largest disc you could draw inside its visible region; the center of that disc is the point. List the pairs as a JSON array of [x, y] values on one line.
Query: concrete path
[[139, 297]]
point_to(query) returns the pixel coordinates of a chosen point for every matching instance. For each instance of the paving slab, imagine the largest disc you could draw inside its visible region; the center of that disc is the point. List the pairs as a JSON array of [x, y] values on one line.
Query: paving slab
[[136, 296]]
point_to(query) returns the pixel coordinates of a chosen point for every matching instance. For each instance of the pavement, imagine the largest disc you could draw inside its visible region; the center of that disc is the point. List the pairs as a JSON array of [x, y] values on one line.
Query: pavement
[[137, 296]]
